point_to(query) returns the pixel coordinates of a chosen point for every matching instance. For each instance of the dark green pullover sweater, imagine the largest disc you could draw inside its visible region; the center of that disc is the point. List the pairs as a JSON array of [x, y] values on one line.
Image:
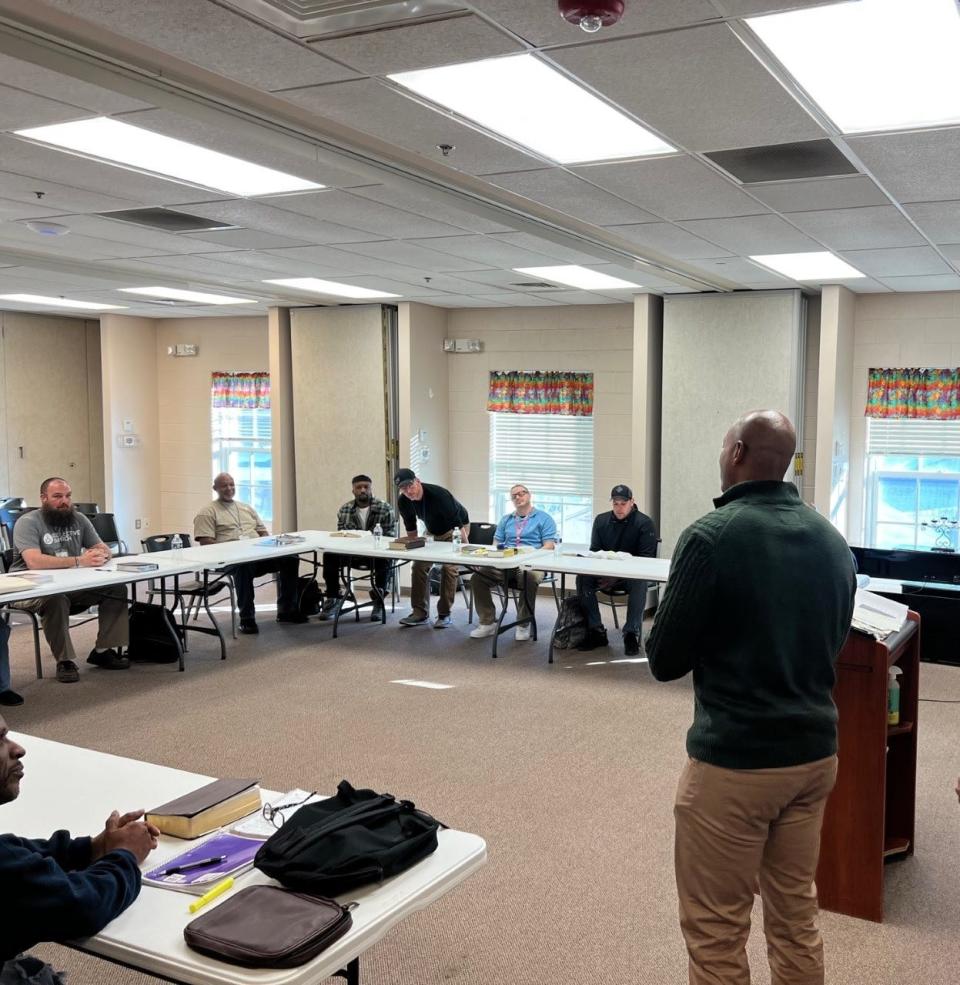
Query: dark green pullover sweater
[[758, 606]]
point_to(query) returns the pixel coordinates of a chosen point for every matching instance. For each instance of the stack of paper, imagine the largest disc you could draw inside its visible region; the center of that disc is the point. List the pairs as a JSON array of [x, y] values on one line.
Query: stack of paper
[[877, 615]]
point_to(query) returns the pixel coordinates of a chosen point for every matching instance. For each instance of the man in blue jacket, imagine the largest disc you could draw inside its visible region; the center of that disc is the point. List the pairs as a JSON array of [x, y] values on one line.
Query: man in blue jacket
[[62, 888]]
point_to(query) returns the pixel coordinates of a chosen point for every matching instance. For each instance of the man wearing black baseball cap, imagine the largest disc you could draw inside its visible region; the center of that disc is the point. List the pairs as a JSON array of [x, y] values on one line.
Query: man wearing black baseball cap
[[440, 513], [624, 528]]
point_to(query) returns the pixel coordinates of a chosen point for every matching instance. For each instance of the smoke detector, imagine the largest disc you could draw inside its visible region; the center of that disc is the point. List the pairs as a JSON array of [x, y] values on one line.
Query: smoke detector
[[591, 15], [42, 228]]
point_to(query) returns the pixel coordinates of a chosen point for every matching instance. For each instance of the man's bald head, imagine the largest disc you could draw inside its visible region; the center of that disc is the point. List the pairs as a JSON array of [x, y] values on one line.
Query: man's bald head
[[760, 445]]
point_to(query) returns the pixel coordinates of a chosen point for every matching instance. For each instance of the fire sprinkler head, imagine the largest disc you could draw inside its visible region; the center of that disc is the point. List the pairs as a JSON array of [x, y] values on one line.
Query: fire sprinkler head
[[591, 15]]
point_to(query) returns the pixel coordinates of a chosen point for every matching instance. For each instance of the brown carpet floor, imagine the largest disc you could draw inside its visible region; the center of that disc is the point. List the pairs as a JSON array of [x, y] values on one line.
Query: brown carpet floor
[[567, 771]]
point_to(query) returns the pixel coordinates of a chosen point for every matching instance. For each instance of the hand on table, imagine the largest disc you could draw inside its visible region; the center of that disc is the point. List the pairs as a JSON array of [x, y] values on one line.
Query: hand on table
[[125, 831], [93, 557]]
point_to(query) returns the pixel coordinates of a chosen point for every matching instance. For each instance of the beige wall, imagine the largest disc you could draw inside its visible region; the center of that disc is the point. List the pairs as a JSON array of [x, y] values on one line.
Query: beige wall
[[594, 338], [226, 344], [893, 331], [811, 399], [128, 359]]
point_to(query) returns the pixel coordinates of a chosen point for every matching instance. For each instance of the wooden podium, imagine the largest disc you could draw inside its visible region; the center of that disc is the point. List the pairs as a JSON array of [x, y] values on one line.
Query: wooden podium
[[870, 814]]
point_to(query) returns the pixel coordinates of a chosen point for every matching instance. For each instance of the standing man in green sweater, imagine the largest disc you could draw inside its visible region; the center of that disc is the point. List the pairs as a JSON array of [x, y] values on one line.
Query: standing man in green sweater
[[758, 606]]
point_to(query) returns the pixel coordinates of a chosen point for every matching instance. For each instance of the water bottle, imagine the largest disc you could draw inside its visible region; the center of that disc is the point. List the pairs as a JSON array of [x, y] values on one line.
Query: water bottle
[[176, 542], [377, 535], [457, 540], [557, 547]]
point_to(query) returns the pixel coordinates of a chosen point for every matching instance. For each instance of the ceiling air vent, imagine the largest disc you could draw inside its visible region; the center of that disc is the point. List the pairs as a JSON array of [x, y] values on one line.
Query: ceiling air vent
[[167, 220], [539, 285], [314, 20], [783, 162]]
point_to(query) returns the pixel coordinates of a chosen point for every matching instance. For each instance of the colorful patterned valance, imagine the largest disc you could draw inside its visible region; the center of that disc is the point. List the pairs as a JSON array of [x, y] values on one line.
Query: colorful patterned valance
[[929, 394], [514, 392], [244, 391]]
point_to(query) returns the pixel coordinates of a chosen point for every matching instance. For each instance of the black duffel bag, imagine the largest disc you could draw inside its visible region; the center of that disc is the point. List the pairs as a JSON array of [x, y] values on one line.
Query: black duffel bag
[[353, 839]]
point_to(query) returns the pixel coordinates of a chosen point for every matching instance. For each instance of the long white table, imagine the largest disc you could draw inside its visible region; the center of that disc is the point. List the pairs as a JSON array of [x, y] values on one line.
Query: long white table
[[70, 787]]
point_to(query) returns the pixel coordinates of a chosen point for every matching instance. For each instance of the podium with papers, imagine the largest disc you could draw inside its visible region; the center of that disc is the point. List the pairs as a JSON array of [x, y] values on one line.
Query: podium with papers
[[870, 814]]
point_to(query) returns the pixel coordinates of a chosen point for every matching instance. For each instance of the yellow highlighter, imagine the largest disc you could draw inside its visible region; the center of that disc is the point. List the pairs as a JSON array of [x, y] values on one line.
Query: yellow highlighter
[[212, 894]]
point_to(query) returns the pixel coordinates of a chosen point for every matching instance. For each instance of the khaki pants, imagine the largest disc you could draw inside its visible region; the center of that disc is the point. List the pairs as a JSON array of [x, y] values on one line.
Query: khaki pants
[[483, 600], [737, 830], [420, 585], [55, 612]]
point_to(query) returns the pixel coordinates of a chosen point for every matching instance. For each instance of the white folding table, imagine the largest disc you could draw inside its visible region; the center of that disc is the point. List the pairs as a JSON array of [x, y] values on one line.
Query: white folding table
[[70, 787]]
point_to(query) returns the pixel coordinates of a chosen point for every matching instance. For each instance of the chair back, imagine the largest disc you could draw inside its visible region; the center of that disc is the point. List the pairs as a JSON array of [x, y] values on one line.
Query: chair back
[[6, 560], [87, 509], [161, 542], [482, 533], [106, 527]]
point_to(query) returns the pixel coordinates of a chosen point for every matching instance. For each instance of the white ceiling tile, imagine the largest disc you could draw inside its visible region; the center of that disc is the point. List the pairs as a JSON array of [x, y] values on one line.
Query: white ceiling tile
[[374, 108], [753, 8], [241, 239], [61, 198], [403, 49], [264, 265], [846, 192], [11, 211], [874, 227], [582, 297], [488, 251], [19, 109], [939, 220], [515, 299], [897, 263], [680, 83], [116, 231], [539, 23], [546, 247], [213, 37], [200, 266], [742, 271], [672, 240], [937, 282], [749, 235], [75, 92], [911, 165], [675, 187], [329, 261], [378, 283], [952, 253], [497, 280], [16, 235], [413, 199], [409, 254], [361, 213], [571, 194]]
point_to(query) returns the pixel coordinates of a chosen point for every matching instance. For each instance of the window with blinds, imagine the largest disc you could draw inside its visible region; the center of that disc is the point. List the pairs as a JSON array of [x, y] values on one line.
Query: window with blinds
[[913, 480], [243, 446], [552, 455]]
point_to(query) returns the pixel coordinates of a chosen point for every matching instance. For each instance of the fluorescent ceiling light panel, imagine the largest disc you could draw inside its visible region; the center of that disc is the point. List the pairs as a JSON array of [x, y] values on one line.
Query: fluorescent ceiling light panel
[[532, 104], [809, 266], [874, 64], [175, 294], [582, 277], [60, 302], [330, 287], [143, 150]]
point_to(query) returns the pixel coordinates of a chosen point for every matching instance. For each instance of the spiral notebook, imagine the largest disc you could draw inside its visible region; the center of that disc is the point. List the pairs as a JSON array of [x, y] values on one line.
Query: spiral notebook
[[237, 852]]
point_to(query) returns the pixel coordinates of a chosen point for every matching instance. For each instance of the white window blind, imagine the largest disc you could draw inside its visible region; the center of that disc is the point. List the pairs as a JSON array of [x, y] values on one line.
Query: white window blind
[[908, 436], [551, 453]]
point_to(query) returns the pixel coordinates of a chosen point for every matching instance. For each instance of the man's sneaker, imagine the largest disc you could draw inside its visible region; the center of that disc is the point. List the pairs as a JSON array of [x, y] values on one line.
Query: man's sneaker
[[67, 672], [376, 614], [414, 620], [249, 627], [329, 609], [442, 622], [483, 630], [522, 634], [595, 638], [293, 616], [10, 698], [108, 660], [631, 644]]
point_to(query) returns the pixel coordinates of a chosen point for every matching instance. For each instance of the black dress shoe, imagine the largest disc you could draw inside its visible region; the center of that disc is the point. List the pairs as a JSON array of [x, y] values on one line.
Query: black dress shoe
[[376, 614], [295, 616], [631, 644], [249, 626], [10, 698], [108, 660], [594, 639], [67, 672]]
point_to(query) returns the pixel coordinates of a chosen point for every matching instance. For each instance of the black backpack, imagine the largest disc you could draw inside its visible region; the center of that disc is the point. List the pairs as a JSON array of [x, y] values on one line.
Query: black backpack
[[155, 636], [352, 839], [309, 595], [571, 624]]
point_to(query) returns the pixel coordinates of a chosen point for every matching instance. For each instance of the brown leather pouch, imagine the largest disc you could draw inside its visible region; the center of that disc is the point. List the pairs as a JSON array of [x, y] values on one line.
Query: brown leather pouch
[[268, 927]]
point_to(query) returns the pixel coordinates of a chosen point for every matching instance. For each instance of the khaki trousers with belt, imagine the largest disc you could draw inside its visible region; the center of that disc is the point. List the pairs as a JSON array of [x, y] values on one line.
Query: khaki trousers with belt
[[737, 830], [481, 584], [420, 584]]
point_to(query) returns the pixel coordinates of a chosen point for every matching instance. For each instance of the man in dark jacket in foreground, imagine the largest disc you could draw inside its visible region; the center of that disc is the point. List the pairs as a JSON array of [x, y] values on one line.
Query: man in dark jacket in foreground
[[62, 888], [625, 529]]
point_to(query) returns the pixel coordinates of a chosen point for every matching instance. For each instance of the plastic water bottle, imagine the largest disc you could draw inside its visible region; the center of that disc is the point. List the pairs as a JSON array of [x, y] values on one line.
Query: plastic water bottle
[[558, 547], [377, 535], [176, 542], [457, 540]]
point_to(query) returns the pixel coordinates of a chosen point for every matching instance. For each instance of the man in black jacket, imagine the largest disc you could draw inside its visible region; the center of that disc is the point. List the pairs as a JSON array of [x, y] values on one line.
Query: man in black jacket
[[61, 888], [626, 529]]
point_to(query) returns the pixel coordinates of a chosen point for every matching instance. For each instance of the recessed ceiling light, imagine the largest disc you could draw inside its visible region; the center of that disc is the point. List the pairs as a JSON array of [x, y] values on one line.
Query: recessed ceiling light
[[42, 228], [60, 302], [525, 100], [330, 287], [809, 266], [582, 277], [143, 150], [875, 64], [175, 294]]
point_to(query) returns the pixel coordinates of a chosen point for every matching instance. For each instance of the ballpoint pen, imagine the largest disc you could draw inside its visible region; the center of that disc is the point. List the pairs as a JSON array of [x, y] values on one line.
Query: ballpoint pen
[[190, 866], [221, 887]]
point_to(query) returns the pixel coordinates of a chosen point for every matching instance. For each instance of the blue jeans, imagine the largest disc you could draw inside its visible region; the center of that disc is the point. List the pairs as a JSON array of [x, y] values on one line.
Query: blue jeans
[[4, 657], [636, 601]]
